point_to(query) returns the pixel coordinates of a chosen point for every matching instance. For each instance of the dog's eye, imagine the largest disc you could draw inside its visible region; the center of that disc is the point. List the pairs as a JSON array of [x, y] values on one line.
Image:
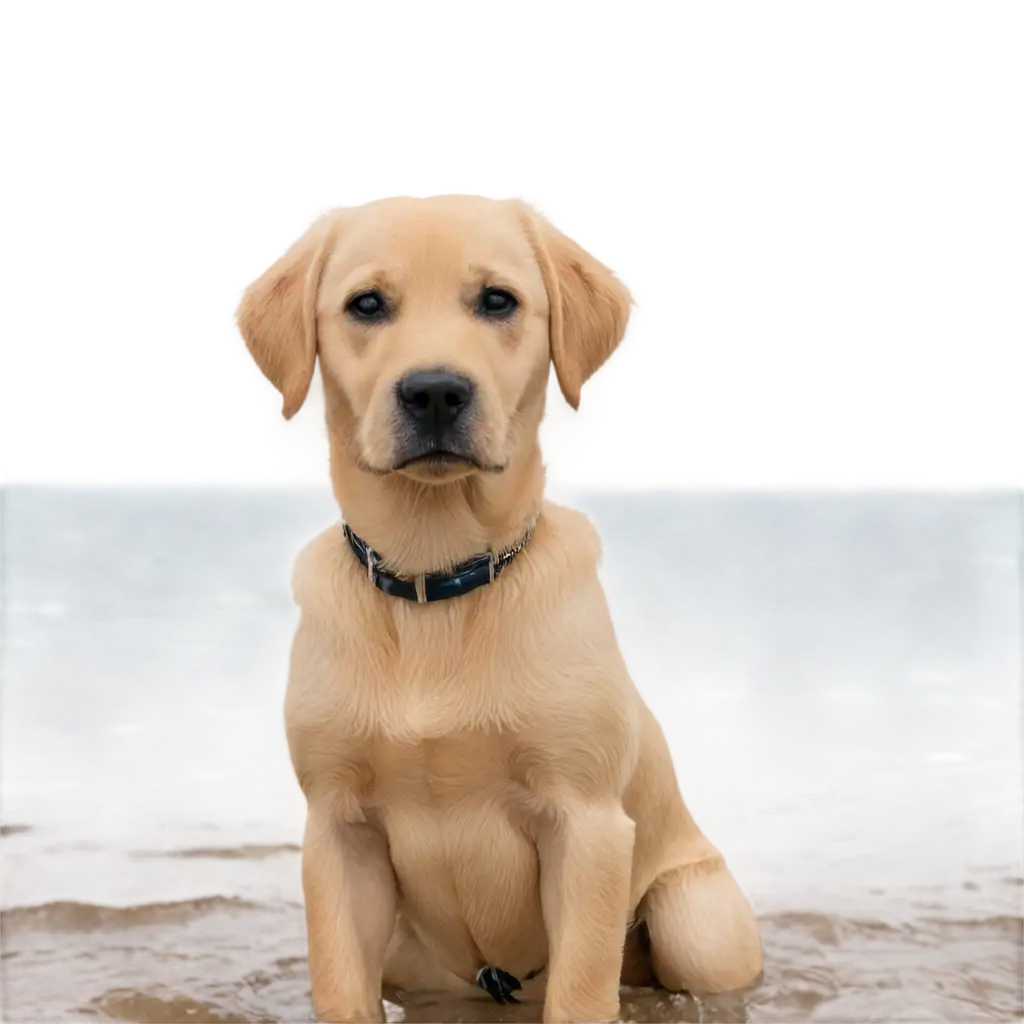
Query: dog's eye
[[369, 307], [496, 302]]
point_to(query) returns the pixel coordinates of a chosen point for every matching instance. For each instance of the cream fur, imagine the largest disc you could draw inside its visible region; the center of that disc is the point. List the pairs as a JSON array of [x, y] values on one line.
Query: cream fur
[[484, 783]]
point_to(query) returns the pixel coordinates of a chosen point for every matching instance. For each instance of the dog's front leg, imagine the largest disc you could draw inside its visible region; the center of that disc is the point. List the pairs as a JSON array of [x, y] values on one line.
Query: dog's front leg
[[349, 887], [586, 860]]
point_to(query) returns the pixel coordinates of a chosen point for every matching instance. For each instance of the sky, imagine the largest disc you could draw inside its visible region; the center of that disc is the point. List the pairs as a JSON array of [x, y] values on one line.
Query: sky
[[152, 157]]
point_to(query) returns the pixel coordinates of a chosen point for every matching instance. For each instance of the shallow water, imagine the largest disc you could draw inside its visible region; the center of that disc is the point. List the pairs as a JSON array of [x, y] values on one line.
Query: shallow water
[[839, 679]]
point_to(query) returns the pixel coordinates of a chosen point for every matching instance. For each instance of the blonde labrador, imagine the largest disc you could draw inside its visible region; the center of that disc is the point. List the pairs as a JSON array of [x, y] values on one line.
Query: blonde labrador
[[485, 786]]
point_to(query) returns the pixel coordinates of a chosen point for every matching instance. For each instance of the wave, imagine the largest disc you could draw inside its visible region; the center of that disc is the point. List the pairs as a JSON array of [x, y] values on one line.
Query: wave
[[72, 916], [243, 851], [835, 929], [14, 830]]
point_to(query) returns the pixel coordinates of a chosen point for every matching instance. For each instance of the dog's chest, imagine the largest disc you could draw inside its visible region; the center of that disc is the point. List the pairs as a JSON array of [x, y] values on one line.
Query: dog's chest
[[460, 833], [435, 770]]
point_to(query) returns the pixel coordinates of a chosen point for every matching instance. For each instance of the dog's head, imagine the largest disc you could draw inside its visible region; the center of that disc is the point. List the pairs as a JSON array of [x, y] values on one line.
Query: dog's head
[[435, 322]]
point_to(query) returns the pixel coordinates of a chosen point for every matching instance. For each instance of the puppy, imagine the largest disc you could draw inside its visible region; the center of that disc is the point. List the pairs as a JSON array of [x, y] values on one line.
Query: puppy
[[491, 806]]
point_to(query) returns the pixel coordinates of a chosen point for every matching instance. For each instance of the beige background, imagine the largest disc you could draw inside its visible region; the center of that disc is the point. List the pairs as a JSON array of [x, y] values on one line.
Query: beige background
[[150, 157]]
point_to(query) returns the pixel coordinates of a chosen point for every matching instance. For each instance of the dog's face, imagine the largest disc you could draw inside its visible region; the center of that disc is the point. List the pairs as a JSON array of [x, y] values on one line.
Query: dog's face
[[432, 321], [435, 322]]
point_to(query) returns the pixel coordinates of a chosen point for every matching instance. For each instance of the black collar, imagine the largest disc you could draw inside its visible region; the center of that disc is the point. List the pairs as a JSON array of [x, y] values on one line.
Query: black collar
[[434, 586]]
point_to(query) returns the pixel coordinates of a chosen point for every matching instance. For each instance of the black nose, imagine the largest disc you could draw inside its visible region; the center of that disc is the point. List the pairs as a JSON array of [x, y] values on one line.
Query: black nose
[[434, 396]]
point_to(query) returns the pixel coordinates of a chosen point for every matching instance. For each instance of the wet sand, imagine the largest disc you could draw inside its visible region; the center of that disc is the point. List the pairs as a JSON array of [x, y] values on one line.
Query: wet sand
[[943, 951]]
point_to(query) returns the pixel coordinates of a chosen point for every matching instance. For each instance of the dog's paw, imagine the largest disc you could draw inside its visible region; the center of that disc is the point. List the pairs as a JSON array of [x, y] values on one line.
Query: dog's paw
[[349, 1015]]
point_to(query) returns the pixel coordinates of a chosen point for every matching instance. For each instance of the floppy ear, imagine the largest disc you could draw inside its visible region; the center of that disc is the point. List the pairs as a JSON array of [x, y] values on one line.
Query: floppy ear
[[277, 315], [589, 307]]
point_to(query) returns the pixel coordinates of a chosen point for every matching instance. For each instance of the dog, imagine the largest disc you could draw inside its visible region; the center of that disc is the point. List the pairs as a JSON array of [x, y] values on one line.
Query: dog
[[492, 808]]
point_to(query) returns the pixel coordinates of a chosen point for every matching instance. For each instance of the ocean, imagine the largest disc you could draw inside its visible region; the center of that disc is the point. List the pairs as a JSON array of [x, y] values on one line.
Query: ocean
[[838, 675]]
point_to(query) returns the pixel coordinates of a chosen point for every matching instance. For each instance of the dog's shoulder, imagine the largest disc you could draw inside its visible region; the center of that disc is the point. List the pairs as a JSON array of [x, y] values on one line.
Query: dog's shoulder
[[324, 710], [320, 571], [569, 535]]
